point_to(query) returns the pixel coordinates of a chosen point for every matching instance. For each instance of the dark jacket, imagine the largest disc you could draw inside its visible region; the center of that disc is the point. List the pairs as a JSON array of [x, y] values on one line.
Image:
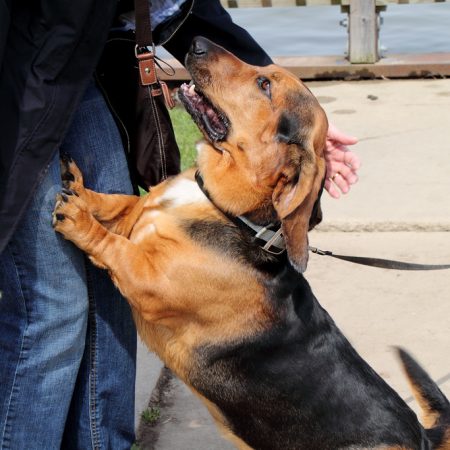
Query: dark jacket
[[48, 53]]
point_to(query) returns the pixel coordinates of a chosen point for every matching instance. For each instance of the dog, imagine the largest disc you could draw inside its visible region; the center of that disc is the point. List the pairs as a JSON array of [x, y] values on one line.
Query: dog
[[211, 262]]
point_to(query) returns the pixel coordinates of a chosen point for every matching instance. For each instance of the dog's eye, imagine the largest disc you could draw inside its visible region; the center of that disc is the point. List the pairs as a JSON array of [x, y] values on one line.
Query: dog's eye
[[264, 85]]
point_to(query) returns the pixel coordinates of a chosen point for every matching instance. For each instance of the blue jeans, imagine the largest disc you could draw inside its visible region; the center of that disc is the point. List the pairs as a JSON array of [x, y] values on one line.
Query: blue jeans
[[67, 339]]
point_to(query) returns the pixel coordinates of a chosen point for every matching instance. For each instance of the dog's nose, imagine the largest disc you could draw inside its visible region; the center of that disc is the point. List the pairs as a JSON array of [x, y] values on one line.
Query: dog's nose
[[199, 46]]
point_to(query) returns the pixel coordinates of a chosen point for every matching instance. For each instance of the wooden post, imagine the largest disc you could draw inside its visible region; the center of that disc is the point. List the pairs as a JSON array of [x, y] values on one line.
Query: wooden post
[[363, 32]]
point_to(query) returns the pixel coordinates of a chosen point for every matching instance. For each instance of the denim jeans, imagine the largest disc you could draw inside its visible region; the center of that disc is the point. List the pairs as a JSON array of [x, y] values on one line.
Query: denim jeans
[[67, 339]]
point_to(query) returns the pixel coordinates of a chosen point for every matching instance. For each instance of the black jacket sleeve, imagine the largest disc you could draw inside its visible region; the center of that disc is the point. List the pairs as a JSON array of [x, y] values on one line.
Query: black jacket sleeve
[[5, 7], [209, 19]]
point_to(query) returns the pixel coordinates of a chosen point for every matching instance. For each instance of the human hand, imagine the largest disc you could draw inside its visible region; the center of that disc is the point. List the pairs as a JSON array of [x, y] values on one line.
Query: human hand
[[342, 165]]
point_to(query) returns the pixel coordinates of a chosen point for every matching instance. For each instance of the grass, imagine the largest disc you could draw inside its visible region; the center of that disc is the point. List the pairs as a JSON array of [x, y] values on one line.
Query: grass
[[187, 135], [151, 415]]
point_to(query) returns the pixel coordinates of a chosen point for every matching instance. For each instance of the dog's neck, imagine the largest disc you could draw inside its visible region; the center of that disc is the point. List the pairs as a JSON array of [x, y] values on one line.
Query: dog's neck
[[268, 236]]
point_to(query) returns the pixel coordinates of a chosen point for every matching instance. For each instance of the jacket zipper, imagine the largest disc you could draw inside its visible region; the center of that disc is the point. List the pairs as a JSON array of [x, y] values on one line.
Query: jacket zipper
[[162, 152], [180, 24]]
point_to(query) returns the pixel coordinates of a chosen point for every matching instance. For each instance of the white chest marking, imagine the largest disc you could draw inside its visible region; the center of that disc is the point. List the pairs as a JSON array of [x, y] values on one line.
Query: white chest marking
[[183, 192]]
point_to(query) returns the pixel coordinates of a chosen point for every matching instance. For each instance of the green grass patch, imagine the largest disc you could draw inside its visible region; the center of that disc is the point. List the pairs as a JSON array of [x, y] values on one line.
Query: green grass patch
[[187, 135], [151, 415]]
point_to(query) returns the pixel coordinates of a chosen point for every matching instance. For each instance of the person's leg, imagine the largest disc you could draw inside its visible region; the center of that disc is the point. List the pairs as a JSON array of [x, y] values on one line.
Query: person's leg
[[102, 409], [43, 319], [45, 285]]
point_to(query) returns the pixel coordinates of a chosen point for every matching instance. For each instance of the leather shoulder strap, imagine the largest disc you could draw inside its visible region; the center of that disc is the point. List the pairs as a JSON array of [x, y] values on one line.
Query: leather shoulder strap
[[143, 24]]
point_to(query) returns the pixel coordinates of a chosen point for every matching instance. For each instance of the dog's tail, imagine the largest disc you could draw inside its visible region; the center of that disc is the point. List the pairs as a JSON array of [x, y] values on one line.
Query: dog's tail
[[435, 406]]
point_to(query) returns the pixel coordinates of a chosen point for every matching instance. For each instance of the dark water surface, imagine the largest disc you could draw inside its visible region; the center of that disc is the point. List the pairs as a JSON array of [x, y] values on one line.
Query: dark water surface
[[315, 30]]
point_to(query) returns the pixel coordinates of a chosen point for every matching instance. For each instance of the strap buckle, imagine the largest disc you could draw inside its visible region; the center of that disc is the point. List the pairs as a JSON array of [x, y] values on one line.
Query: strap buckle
[[275, 242], [318, 251], [147, 66]]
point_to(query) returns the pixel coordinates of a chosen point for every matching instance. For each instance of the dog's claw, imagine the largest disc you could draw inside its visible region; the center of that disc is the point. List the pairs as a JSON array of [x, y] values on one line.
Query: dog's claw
[[67, 176], [65, 157], [57, 217], [69, 192]]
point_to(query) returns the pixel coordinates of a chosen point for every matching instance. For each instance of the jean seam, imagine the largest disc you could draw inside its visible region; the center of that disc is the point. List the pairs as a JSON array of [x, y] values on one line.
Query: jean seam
[[4, 436], [95, 434]]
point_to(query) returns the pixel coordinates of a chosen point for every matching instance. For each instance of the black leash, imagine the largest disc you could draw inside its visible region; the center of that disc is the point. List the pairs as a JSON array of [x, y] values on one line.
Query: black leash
[[381, 263], [366, 261]]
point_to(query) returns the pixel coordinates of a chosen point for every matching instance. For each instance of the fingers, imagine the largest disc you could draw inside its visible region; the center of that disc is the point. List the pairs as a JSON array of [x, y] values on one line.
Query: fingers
[[341, 172], [339, 137], [342, 164], [351, 160], [340, 153], [337, 185], [344, 171], [341, 182], [345, 162], [332, 189]]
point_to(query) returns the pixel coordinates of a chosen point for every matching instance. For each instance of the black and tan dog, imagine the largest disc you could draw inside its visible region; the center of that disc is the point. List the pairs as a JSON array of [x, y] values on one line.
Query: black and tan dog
[[234, 320]]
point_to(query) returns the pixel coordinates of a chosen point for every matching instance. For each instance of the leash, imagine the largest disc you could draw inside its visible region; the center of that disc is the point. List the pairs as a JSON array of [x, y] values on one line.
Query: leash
[[380, 263], [272, 241]]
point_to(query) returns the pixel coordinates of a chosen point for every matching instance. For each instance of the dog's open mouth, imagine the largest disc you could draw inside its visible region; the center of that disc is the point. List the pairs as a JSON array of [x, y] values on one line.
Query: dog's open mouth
[[207, 117]]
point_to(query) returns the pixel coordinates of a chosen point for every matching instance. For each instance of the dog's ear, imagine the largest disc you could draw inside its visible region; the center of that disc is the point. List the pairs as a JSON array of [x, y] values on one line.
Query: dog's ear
[[296, 195], [316, 214]]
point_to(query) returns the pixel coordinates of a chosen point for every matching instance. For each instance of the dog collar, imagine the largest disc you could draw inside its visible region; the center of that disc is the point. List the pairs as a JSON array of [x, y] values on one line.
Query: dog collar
[[269, 237]]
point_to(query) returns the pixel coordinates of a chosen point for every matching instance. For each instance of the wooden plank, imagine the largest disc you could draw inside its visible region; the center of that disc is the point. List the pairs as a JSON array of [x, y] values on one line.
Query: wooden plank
[[337, 67], [363, 32], [291, 3]]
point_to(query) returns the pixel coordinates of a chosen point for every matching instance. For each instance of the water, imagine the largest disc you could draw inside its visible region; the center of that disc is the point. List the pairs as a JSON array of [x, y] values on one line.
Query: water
[[315, 30]]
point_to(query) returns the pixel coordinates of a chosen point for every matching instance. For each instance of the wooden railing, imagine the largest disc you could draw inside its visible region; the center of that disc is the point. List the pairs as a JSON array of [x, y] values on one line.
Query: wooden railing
[[363, 21], [281, 3], [363, 55]]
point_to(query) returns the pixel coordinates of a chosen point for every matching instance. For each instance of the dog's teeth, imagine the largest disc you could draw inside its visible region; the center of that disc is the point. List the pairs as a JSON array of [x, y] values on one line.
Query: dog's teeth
[[192, 89]]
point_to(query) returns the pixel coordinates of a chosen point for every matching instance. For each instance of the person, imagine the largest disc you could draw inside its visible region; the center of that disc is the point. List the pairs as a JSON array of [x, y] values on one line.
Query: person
[[67, 338], [341, 164]]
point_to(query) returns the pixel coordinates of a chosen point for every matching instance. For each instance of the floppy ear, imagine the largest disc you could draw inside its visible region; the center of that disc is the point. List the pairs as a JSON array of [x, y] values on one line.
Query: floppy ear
[[296, 195], [316, 214], [294, 201]]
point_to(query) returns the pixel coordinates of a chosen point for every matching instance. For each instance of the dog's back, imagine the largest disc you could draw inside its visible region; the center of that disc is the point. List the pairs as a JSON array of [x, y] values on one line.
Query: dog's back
[[301, 385]]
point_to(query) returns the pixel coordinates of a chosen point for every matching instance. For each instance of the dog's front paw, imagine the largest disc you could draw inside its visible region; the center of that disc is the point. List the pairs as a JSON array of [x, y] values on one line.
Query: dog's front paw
[[71, 176], [71, 217]]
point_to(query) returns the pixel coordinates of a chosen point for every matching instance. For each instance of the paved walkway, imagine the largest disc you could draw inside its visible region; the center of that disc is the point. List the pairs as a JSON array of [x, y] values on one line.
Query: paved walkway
[[400, 209]]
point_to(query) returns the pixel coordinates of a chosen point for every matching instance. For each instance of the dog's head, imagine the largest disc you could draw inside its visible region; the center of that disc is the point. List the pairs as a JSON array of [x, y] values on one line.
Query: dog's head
[[265, 135]]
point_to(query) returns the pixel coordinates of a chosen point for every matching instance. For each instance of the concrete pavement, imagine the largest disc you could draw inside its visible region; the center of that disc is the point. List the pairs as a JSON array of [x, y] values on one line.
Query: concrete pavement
[[404, 143], [400, 209]]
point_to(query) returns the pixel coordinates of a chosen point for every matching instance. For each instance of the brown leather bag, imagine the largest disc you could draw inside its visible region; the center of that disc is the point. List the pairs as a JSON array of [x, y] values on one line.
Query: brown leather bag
[[139, 101]]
